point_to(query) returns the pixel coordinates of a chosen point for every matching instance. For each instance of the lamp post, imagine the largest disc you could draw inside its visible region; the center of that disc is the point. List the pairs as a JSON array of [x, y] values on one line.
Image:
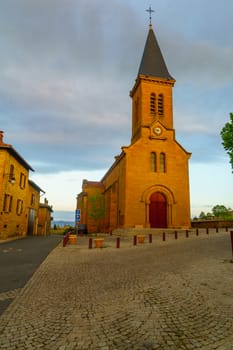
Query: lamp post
[[11, 178]]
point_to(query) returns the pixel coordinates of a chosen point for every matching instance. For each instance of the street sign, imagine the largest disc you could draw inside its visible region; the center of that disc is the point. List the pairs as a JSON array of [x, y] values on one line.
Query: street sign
[[77, 215]]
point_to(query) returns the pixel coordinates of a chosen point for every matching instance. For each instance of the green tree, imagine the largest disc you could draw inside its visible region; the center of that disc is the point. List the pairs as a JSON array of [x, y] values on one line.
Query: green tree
[[227, 139], [96, 209], [202, 215], [220, 211]]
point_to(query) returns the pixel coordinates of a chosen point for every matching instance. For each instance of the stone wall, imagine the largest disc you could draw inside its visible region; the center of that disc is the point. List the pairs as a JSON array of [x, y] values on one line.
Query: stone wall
[[212, 223]]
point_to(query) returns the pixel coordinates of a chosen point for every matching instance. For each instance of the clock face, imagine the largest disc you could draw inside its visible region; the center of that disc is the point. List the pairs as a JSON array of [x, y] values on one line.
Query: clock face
[[157, 131]]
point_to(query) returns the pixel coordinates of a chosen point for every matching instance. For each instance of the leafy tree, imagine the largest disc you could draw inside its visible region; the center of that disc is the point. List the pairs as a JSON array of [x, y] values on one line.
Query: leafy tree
[[202, 215], [227, 139], [97, 208], [220, 211]]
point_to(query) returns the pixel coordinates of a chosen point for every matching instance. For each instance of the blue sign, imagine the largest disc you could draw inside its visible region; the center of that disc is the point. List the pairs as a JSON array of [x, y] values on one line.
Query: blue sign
[[77, 215]]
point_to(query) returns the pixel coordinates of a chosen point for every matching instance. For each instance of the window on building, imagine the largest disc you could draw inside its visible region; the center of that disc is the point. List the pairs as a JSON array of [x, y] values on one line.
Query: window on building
[[19, 207], [136, 111], [12, 168], [160, 104], [7, 203], [152, 103], [153, 162], [22, 181], [11, 177], [33, 199], [162, 161]]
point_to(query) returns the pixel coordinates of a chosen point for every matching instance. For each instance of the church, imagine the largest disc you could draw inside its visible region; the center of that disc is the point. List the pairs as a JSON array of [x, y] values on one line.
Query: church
[[147, 186]]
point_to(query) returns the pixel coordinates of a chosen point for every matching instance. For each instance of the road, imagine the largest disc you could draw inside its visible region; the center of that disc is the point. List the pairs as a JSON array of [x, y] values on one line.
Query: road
[[18, 261]]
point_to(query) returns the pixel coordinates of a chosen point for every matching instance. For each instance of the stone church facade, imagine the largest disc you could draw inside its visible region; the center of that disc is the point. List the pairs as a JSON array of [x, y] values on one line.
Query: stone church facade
[[148, 184]]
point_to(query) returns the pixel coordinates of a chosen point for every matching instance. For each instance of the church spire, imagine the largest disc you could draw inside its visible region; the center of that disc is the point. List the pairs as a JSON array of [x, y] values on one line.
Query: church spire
[[152, 63]]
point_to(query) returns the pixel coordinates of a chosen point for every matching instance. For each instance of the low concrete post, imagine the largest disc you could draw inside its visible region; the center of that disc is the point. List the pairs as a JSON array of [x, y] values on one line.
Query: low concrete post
[[187, 234], [176, 235], [197, 232], [207, 230], [150, 237], [118, 240]]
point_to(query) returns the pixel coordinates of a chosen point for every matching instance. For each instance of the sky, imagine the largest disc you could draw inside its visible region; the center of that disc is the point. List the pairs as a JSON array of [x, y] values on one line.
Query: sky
[[66, 69]]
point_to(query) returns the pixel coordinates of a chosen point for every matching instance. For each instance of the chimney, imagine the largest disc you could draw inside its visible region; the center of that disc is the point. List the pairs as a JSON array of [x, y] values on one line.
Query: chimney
[[1, 137]]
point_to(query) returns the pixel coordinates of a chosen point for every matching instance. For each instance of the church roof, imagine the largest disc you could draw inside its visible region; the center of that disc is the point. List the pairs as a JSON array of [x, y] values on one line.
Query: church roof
[[152, 63]]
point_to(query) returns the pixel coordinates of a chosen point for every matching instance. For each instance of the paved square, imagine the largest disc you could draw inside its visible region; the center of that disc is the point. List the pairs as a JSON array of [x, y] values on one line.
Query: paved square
[[161, 295]]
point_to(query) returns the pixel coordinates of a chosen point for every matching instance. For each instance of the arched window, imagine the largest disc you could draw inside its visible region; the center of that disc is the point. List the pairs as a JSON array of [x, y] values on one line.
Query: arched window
[[160, 104], [162, 162], [152, 103], [153, 162]]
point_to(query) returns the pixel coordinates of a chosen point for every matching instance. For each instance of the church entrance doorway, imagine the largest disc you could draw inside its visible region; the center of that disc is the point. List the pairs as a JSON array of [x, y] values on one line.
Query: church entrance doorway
[[158, 210]]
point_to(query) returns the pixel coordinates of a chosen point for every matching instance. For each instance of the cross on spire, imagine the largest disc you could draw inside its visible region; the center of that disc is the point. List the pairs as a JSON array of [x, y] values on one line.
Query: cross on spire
[[150, 12]]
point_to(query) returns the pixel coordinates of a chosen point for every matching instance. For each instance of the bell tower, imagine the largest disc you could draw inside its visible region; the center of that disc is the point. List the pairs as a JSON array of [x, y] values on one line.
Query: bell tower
[[148, 183], [152, 91]]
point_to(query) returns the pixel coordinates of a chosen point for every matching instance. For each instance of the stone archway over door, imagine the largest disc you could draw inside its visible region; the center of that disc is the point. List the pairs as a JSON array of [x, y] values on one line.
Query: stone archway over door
[[158, 210]]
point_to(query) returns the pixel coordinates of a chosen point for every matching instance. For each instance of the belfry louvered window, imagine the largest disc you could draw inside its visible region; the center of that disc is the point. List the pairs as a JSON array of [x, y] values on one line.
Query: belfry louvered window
[[152, 103], [160, 104]]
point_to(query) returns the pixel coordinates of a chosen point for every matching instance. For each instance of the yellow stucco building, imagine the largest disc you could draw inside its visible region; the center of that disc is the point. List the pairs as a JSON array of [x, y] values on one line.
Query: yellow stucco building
[[20, 208], [148, 184]]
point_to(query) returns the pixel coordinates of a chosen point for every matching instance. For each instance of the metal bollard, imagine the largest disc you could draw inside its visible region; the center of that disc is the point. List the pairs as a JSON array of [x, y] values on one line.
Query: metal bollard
[[207, 230], [90, 243], [164, 236], [66, 239], [197, 232], [216, 229], [176, 235], [118, 240], [150, 237], [232, 243], [187, 233], [134, 240]]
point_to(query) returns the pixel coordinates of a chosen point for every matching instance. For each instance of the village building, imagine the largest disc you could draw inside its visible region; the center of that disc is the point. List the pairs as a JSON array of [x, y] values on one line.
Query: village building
[[19, 196], [148, 184], [44, 218]]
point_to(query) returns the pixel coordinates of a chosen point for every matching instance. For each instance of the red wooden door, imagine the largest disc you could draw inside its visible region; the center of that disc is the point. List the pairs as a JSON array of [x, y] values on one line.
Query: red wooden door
[[158, 210]]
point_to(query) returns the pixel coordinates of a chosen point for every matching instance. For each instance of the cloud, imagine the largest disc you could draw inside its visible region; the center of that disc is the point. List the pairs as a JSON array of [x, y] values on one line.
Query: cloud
[[203, 63], [66, 68], [61, 188]]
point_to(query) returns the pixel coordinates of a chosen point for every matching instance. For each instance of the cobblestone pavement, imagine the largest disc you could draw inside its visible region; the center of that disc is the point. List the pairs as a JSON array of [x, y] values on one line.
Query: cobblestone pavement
[[161, 295]]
